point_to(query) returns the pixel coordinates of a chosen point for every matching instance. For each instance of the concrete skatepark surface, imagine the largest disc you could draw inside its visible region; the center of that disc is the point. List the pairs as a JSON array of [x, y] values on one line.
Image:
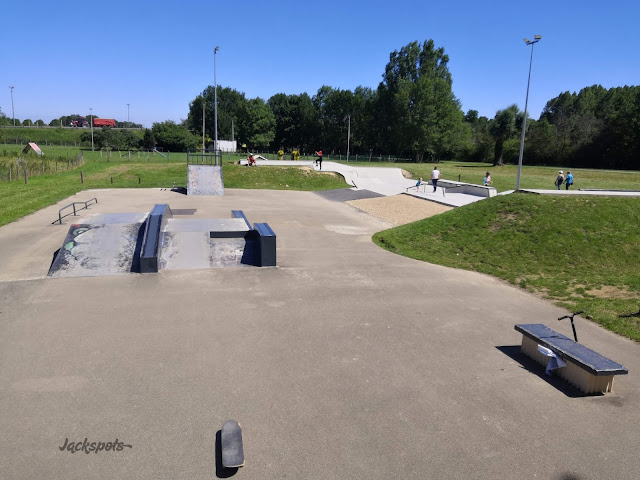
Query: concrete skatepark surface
[[346, 361], [381, 180]]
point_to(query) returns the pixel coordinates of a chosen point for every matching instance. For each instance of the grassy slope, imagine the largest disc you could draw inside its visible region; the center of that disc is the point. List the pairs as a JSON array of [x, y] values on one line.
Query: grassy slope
[[582, 253]]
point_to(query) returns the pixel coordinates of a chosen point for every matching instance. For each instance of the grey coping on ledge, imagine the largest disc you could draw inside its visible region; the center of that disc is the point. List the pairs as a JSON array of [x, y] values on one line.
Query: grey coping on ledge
[[115, 218], [592, 361]]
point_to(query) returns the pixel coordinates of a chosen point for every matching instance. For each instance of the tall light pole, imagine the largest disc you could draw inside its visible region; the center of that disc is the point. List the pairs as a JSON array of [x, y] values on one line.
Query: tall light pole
[[204, 145], [215, 106], [128, 124], [348, 136], [13, 113], [535, 40], [91, 118]]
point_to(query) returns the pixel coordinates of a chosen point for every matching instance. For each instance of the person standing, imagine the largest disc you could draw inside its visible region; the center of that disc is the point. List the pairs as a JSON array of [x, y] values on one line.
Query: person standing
[[559, 180], [435, 176], [569, 181], [319, 159]]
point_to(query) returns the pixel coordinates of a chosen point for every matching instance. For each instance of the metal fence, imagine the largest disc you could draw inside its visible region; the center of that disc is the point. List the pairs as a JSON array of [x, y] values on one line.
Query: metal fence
[[358, 157], [204, 157]]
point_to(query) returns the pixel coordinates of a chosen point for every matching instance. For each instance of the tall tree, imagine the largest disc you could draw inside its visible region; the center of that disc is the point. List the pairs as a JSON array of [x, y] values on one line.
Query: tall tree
[[231, 104], [256, 124], [502, 128], [149, 139], [422, 114], [481, 142]]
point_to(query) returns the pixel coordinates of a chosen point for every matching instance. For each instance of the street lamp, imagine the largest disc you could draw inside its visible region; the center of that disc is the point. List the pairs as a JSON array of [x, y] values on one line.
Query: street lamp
[[535, 40], [128, 124], [215, 106], [91, 117], [13, 113]]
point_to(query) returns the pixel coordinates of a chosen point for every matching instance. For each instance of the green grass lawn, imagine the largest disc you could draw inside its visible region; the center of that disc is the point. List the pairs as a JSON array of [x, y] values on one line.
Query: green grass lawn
[[579, 252], [42, 190], [504, 178]]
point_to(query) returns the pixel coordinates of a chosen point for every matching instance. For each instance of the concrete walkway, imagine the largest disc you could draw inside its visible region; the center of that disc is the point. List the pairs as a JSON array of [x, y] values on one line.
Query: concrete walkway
[[383, 180], [345, 361], [606, 193]]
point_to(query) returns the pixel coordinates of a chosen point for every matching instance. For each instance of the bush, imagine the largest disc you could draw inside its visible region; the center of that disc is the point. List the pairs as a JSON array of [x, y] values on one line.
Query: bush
[[174, 138]]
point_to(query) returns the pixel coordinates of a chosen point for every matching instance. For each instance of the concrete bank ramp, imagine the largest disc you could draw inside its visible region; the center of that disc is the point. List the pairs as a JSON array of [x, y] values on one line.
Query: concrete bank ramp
[[204, 180], [100, 245]]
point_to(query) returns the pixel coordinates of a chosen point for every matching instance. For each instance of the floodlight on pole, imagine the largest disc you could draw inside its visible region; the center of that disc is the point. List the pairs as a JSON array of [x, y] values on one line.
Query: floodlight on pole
[[215, 106], [91, 119], [13, 113], [128, 124], [535, 40]]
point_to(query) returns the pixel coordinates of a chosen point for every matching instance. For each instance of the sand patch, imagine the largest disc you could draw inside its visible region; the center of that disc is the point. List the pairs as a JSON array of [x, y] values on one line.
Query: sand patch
[[399, 209], [608, 291]]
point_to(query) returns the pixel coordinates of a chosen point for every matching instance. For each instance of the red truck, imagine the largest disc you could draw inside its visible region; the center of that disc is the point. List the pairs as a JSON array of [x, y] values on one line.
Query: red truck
[[104, 122]]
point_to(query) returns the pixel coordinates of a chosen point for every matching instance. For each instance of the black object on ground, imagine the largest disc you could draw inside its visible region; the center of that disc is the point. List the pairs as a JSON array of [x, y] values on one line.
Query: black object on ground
[[231, 445], [575, 335], [630, 315]]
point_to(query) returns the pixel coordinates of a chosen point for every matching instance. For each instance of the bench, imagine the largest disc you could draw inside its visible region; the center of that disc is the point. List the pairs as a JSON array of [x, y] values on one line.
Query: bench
[[587, 370]]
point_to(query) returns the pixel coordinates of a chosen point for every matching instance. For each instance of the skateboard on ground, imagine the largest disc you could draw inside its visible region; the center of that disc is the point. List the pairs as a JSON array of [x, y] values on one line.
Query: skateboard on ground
[[231, 445]]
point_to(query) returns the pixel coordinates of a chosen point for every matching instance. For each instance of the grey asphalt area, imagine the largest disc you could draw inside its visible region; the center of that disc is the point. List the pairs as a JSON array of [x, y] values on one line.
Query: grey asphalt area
[[347, 194], [344, 362]]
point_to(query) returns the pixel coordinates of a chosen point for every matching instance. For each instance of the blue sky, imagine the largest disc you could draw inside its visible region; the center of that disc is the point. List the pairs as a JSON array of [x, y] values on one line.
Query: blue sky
[[64, 57]]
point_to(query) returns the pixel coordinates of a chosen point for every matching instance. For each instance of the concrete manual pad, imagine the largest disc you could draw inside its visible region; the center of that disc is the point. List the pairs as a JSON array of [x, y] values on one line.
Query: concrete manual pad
[[186, 243], [206, 225]]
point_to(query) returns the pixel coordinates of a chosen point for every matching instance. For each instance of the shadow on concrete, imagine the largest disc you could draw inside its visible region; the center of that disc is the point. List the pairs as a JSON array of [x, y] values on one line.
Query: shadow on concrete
[[135, 261], [55, 254], [222, 472], [570, 476], [346, 194], [250, 252], [533, 367]]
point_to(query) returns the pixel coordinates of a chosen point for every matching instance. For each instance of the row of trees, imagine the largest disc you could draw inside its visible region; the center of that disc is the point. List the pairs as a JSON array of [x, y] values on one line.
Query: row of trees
[[414, 113], [166, 135], [595, 127]]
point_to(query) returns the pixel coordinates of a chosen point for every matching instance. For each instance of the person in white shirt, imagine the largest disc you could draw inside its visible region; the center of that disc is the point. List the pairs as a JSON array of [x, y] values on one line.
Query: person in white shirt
[[435, 175]]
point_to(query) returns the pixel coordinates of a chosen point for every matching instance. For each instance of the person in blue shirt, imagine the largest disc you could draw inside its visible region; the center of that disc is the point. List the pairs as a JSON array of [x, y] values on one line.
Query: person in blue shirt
[[569, 181]]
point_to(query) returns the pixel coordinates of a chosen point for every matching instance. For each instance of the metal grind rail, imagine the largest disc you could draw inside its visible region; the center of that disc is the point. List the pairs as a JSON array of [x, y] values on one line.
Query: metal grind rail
[[86, 206]]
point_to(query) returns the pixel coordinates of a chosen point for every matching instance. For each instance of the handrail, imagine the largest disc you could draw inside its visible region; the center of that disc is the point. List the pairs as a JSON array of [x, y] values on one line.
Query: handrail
[[73, 204]]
